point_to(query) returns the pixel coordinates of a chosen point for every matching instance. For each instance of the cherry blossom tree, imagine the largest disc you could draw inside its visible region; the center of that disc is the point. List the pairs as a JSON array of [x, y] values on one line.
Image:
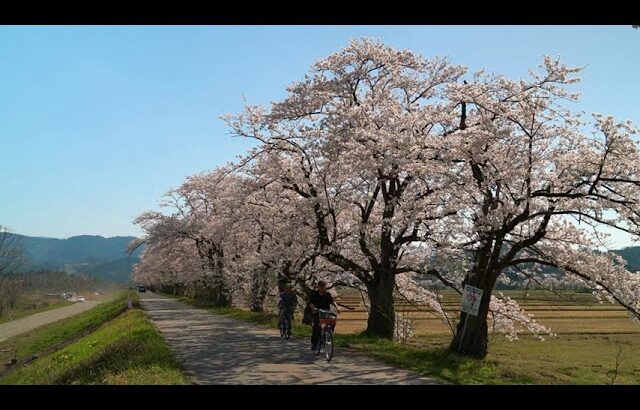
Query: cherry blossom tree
[[286, 247], [205, 208], [383, 169], [171, 266], [535, 182], [352, 141]]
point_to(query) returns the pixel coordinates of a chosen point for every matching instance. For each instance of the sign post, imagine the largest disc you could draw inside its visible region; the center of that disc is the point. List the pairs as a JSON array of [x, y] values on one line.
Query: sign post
[[470, 304]]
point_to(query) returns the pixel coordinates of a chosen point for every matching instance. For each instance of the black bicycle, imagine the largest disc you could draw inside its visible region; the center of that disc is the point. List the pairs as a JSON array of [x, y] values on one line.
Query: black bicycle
[[285, 323], [328, 323]]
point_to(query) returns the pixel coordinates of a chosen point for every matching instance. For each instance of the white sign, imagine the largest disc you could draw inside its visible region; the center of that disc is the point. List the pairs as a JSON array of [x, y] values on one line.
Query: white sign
[[471, 300]]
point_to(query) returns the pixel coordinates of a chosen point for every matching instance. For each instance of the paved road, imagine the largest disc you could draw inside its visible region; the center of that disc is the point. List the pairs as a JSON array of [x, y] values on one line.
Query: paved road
[[214, 349], [25, 324]]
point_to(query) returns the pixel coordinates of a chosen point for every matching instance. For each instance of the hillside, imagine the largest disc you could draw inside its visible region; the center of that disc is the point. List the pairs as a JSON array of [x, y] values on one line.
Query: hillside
[[102, 258], [632, 256]]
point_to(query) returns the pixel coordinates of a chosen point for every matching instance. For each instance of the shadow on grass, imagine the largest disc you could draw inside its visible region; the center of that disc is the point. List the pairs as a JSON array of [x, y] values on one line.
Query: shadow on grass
[[436, 361]]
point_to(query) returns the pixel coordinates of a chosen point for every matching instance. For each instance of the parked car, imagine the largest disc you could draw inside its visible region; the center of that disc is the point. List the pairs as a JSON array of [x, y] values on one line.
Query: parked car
[[80, 299], [142, 289]]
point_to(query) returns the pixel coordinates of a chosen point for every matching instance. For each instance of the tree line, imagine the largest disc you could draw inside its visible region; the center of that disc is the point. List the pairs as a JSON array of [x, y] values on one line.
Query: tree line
[[398, 175]]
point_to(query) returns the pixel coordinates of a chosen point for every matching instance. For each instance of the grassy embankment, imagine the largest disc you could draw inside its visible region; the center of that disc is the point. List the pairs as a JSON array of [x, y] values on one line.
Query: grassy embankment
[[108, 344]]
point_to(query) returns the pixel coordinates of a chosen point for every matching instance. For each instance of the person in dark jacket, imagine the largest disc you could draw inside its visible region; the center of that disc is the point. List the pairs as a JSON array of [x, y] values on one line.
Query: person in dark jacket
[[320, 299], [287, 304]]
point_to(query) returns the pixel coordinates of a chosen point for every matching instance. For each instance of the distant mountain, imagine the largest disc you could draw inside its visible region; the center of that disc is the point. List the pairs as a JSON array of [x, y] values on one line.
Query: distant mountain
[[102, 258], [117, 270], [632, 256]]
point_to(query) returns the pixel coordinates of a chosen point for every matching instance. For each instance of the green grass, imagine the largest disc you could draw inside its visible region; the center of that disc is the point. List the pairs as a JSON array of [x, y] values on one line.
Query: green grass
[[567, 359], [437, 361], [23, 310], [125, 350], [45, 338]]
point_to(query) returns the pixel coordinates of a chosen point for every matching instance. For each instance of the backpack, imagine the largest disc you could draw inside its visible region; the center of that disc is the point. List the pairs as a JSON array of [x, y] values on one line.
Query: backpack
[[289, 300]]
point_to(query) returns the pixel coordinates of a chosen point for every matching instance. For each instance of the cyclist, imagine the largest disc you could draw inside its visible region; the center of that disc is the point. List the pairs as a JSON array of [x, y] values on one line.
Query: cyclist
[[320, 299], [286, 305]]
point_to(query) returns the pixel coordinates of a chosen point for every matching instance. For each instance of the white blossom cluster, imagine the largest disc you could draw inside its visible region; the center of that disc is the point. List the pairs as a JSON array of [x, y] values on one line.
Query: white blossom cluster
[[382, 168]]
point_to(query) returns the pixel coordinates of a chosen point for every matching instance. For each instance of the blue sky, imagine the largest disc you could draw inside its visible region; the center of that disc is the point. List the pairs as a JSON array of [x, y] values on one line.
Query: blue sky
[[96, 123]]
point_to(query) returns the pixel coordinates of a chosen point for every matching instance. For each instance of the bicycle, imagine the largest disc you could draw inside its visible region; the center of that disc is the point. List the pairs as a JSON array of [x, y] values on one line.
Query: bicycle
[[285, 323], [328, 323]]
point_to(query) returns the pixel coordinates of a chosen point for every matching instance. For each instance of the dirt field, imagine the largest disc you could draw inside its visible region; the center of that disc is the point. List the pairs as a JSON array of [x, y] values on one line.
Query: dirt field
[[567, 313]]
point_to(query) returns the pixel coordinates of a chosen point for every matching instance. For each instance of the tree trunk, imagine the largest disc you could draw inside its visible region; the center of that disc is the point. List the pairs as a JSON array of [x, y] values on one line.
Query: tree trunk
[[216, 289], [214, 294], [221, 294], [259, 290], [382, 312], [472, 334], [256, 306]]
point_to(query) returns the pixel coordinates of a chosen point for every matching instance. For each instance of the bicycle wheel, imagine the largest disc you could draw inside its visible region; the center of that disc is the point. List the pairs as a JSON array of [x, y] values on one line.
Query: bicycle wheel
[[320, 342], [328, 344]]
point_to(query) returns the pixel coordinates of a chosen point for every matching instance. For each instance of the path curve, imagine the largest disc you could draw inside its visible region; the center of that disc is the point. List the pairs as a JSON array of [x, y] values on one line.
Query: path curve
[[215, 349], [25, 324]]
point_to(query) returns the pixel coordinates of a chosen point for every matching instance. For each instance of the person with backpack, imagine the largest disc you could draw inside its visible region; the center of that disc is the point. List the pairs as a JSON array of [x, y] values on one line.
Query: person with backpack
[[287, 306]]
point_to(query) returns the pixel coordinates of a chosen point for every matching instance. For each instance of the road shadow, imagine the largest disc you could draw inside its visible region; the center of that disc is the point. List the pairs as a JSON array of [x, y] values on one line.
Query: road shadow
[[215, 349]]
